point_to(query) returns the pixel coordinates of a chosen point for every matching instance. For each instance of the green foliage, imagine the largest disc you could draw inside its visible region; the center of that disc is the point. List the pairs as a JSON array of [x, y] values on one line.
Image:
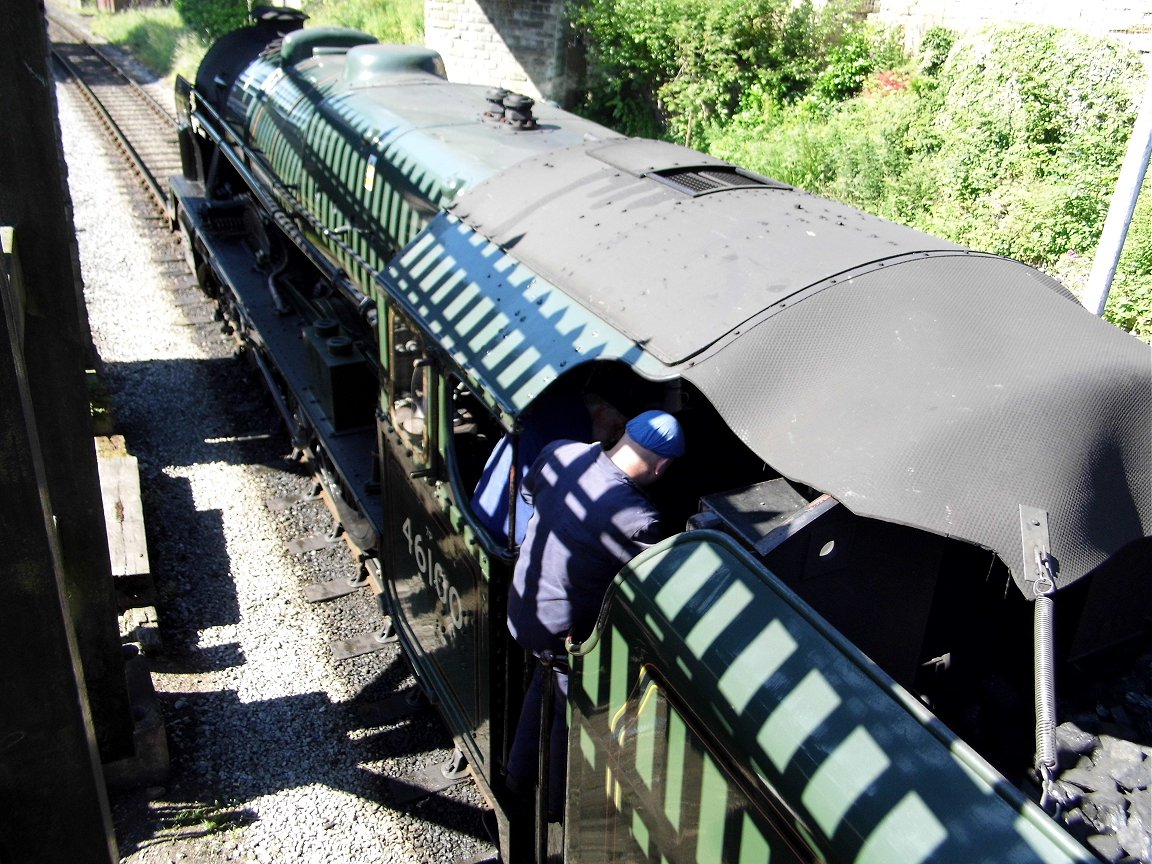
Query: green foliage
[[861, 52], [152, 34], [866, 153], [1032, 128], [935, 46], [397, 21], [1010, 144], [1130, 300], [677, 67], [211, 19], [156, 36], [1034, 104]]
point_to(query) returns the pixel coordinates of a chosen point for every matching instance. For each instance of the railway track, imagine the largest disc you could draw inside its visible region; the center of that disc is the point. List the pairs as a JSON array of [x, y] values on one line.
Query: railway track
[[144, 132], [143, 129]]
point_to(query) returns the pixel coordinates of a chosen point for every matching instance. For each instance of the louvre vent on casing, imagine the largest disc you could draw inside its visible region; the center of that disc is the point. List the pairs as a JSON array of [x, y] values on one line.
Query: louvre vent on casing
[[702, 181]]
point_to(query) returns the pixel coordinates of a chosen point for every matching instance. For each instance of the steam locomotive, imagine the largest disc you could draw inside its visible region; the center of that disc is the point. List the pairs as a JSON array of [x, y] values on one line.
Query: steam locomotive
[[902, 454]]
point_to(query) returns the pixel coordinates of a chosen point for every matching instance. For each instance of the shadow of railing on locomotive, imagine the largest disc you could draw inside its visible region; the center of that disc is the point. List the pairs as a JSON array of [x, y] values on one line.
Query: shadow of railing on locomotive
[[402, 187], [512, 328]]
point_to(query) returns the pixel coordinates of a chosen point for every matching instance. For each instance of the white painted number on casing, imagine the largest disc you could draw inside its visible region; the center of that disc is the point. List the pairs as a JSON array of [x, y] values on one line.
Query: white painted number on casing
[[432, 573]]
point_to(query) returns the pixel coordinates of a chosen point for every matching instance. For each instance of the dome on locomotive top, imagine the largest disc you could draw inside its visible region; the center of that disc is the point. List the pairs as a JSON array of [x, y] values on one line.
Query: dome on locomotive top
[[302, 44], [367, 64]]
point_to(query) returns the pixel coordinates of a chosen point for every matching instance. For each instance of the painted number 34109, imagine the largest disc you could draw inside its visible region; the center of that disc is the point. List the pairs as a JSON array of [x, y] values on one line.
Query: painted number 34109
[[420, 547]]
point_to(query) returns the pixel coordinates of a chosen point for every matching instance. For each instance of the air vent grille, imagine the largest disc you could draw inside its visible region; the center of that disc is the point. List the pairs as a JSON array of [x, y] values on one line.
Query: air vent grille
[[702, 181]]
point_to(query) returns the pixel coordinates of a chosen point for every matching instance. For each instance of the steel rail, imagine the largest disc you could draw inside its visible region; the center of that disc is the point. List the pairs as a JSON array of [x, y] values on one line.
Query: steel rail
[[139, 163], [81, 39]]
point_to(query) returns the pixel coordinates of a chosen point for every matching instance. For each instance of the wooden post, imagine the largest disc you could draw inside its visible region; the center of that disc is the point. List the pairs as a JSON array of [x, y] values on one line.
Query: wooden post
[[34, 201], [52, 793]]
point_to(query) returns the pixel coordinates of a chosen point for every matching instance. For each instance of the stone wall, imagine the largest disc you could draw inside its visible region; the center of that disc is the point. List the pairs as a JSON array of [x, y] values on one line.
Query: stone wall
[[517, 44]]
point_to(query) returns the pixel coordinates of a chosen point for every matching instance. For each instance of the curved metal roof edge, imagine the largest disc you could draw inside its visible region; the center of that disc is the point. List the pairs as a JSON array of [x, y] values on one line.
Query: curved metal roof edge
[[808, 291]]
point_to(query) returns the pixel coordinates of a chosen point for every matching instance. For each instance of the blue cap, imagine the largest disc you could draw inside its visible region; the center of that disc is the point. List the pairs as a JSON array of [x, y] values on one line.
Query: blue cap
[[657, 431]]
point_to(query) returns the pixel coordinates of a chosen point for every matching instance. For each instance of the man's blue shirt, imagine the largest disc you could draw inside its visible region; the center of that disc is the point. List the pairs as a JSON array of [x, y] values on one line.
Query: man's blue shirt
[[590, 520], [553, 418]]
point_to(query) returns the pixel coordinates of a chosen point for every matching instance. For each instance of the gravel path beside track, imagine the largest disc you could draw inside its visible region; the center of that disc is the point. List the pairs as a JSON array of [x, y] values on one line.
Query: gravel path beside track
[[273, 752]]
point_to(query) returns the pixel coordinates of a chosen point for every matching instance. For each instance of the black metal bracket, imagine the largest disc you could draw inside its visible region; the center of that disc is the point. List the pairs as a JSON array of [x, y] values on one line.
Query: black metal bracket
[[1040, 566]]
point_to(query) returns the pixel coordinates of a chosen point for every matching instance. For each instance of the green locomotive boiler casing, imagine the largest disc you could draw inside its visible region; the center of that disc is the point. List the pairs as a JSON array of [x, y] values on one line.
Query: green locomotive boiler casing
[[370, 140], [418, 266]]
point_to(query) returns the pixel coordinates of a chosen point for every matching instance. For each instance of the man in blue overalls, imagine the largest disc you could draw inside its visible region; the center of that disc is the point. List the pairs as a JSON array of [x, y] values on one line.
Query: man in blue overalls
[[591, 517]]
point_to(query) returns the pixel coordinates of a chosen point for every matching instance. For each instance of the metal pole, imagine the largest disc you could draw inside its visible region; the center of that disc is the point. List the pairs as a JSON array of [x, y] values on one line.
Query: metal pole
[[1120, 211], [544, 765]]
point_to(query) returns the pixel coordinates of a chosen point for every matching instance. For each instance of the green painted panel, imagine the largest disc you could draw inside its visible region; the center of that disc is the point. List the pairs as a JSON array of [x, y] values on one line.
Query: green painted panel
[[677, 754], [713, 809], [696, 572], [760, 660], [587, 746], [796, 718], [639, 831], [589, 678], [754, 848], [846, 775], [909, 833], [618, 683], [646, 732], [708, 627]]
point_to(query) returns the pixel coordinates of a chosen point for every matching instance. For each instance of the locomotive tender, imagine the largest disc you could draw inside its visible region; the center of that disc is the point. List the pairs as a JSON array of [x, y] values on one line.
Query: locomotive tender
[[900, 453]]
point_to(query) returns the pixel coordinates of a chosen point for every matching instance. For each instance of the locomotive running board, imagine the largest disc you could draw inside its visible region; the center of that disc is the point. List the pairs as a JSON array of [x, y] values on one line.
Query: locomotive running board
[[365, 643]]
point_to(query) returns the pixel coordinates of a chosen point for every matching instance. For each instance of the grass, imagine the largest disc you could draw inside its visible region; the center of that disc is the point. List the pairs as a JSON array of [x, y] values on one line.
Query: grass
[[157, 37], [398, 21]]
